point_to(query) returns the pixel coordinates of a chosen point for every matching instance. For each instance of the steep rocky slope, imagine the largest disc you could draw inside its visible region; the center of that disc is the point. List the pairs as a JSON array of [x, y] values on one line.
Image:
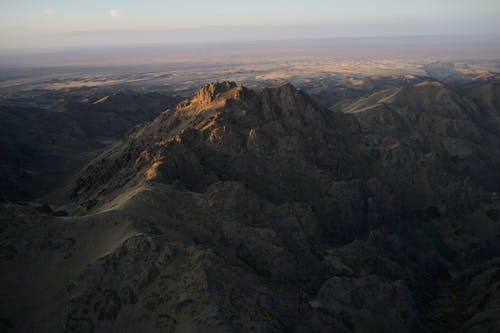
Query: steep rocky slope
[[458, 129], [42, 147], [244, 211]]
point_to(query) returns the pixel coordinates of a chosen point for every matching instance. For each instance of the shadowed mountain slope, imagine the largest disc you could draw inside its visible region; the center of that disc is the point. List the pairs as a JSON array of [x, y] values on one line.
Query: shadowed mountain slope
[[42, 147], [262, 212]]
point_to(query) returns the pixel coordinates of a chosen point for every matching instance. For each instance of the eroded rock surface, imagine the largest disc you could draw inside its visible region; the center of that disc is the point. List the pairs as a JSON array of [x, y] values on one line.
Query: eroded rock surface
[[261, 212]]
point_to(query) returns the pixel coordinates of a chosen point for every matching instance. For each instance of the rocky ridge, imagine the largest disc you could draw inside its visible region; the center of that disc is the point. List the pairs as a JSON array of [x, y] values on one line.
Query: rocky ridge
[[245, 211]]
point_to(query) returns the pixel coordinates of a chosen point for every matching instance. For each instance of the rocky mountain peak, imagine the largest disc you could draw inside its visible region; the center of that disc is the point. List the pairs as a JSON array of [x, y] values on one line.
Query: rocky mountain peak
[[216, 134], [209, 92], [291, 106], [214, 96]]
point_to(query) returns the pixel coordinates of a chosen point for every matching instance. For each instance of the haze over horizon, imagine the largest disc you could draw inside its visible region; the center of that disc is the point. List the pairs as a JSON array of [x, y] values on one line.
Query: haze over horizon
[[63, 24]]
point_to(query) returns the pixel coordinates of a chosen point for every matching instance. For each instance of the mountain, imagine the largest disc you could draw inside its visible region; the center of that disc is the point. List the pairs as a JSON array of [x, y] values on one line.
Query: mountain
[[41, 147], [261, 211], [462, 124]]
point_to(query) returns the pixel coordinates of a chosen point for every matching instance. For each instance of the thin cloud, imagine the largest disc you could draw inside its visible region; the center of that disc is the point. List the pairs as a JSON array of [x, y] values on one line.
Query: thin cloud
[[114, 12], [47, 11]]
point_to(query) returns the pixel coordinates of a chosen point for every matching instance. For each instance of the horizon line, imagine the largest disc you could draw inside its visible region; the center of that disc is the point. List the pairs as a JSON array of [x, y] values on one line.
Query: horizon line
[[222, 42]]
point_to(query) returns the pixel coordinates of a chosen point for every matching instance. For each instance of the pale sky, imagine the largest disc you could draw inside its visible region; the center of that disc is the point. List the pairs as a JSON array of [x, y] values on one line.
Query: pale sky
[[49, 23]]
